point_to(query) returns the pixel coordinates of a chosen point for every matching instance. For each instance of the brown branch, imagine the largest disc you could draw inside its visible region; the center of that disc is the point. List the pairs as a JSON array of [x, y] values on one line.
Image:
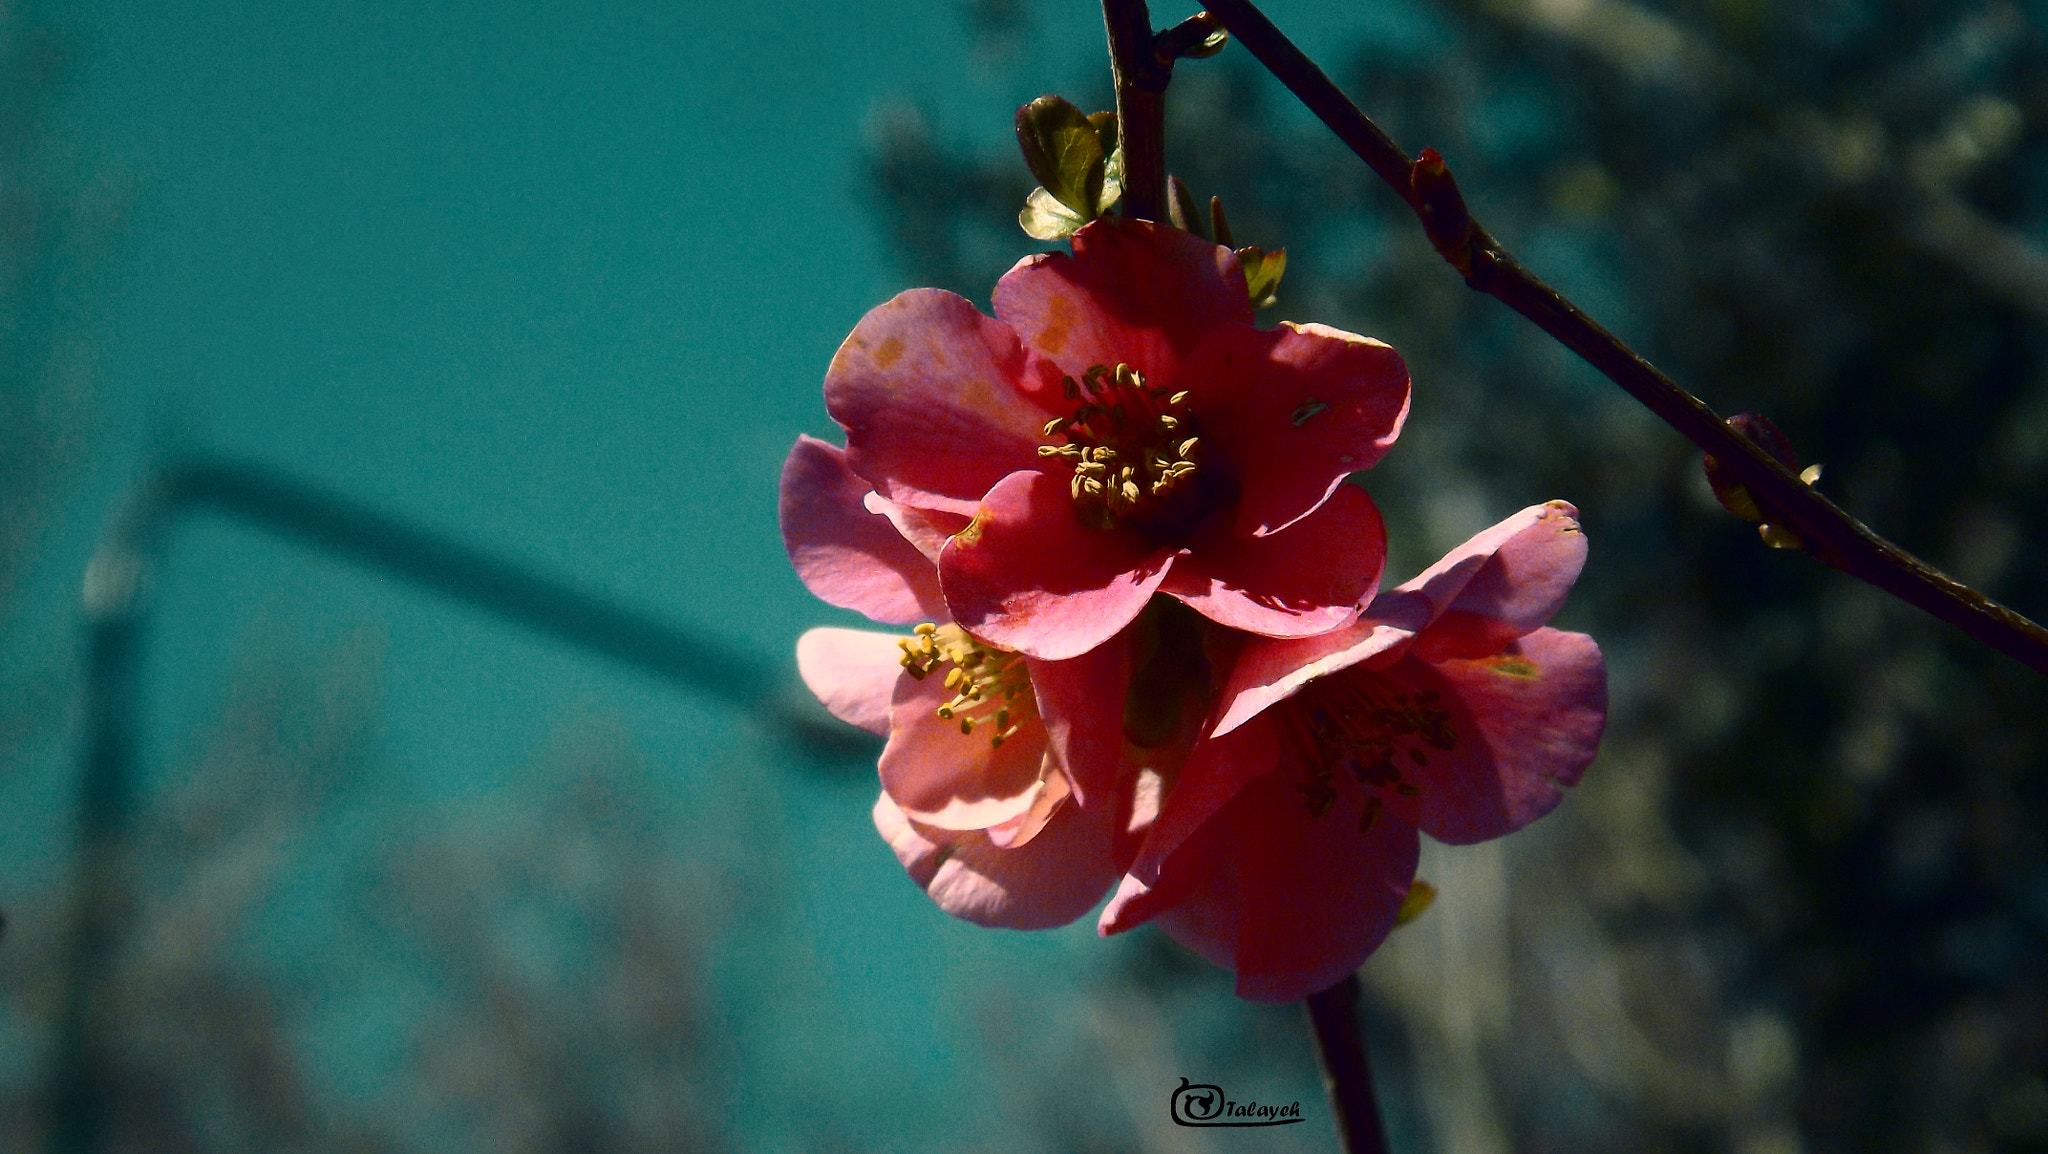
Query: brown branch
[[1140, 106], [1824, 529], [1340, 1046]]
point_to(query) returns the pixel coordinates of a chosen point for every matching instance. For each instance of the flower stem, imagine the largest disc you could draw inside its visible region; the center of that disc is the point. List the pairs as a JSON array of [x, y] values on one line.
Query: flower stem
[[1140, 106], [1823, 528], [1340, 1044]]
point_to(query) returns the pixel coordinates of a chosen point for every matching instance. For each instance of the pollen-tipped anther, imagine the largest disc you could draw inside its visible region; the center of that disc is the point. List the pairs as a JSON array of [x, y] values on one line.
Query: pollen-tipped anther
[[1128, 444], [1361, 723], [988, 684]]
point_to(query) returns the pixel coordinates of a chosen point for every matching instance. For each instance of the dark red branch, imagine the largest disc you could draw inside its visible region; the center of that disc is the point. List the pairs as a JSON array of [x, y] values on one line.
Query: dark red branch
[[1185, 37], [1823, 528], [1340, 1045], [1140, 106]]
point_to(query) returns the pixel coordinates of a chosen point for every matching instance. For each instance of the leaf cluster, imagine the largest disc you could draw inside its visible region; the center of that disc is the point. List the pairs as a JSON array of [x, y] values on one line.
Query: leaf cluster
[[1077, 162]]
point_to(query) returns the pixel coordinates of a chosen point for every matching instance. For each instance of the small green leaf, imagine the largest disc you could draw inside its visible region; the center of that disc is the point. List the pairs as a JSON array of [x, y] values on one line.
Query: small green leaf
[[1113, 162], [1219, 224], [1208, 45], [1180, 208], [1308, 411], [1105, 130], [1063, 149], [1420, 895], [1735, 498], [1112, 182], [1262, 272], [1779, 537], [1045, 218]]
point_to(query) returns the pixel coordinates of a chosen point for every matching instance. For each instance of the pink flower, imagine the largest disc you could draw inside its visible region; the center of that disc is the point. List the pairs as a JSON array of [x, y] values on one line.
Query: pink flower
[[1289, 840], [1000, 775], [1120, 429]]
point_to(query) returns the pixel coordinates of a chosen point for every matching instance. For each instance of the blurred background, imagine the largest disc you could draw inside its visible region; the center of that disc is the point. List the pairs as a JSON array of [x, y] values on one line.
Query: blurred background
[[560, 283]]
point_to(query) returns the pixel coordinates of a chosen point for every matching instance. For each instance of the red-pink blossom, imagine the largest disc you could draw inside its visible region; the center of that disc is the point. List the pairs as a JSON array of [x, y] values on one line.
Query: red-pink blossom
[[1001, 773], [1289, 840], [1119, 429]]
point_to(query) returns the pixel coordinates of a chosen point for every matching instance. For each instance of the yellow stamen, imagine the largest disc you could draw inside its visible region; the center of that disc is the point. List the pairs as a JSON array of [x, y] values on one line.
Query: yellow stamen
[[989, 685], [1132, 457]]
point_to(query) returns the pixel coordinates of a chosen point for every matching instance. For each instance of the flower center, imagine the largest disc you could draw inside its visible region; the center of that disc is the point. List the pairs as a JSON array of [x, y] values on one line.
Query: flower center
[[1133, 446], [1370, 727], [990, 686]]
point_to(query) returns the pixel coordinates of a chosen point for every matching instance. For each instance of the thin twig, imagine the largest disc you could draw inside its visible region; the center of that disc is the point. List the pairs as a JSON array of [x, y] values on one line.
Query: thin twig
[[1140, 106], [1184, 38], [1823, 528], [1340, 1045]]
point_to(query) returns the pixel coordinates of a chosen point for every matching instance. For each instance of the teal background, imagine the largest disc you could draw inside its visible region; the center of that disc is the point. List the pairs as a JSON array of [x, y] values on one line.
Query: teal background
[[558, 280]]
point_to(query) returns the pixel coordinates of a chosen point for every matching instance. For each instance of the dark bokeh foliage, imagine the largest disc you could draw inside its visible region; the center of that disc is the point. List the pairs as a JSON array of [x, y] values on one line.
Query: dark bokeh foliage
[[308, 966], [1830, 215]]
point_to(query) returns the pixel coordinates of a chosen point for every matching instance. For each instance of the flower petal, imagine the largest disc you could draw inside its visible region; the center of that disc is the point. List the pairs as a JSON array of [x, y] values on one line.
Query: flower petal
[[1521, 585], [1019, 830], [1311, 579], [1300, 901], [953, 780], [845, 554], [1081, 701], [853, 672], [1440, 585], [1290, 412], [1028, 575], [1168, 865], [936, 400], [1049, 881], [1495, 587], [1528, 719], [1133, 292], [925, 529], [1271, 670], [1197, 890]]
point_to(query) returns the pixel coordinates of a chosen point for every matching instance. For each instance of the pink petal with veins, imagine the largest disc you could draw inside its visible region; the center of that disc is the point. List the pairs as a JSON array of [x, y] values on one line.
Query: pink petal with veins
[[925, 529], [1520, 570], [1054, 878], [1290, 412], [1532, 716], [1521, 585], [1301, 901], [1019, 830], [1028, 575], [1081, 702], [853, 672], [936, 400], [845, 554], [954, 780], [1214, 773], [1309, 580], [1132, 293]]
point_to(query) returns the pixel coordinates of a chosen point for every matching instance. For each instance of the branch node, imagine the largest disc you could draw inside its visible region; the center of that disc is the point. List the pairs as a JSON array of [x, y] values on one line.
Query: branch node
[[1194, 38], [1433, 192]]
